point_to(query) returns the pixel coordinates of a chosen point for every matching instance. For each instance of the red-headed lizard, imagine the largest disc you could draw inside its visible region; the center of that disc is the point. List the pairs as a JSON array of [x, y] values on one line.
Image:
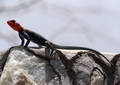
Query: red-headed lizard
[[40, 40]]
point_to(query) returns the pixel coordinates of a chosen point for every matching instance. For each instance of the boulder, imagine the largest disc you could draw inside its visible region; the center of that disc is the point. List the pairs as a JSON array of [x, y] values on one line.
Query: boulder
[[24, 68]]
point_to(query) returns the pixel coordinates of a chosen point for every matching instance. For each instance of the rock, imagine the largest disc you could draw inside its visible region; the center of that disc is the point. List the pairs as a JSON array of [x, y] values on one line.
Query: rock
[[83, 65], [24, 68], [19, 68]]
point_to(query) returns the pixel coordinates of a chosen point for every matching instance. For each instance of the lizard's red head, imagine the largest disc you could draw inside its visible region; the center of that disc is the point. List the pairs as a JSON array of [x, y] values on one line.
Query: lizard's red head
[[16, 26]]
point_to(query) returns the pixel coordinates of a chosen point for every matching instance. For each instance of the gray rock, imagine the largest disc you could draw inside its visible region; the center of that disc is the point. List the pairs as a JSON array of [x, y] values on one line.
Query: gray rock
[[24, 68]]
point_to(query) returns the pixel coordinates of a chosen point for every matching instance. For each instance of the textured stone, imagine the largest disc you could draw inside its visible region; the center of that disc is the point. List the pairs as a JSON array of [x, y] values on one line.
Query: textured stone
[[24, 68]]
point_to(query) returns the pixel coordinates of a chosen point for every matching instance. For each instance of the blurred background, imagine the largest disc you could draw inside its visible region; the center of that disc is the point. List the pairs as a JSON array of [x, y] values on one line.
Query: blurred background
[[87, 23]]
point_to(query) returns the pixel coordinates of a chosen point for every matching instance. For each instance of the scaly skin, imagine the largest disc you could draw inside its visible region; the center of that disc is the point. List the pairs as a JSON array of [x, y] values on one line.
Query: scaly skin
[[41, 41]]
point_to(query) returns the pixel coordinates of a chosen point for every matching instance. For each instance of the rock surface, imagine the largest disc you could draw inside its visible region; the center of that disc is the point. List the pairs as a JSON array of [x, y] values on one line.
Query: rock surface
[[24, 68]]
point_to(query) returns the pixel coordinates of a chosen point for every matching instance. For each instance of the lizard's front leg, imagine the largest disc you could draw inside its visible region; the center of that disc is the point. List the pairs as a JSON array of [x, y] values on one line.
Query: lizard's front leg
[[22, 39], [25, 35]]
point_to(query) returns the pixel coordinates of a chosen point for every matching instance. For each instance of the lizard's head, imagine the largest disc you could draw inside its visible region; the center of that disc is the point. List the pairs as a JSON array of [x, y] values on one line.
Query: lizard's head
[[16, 26]]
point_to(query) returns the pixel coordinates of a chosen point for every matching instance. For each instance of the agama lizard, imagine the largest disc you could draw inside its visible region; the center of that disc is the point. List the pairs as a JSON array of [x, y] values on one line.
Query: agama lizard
[[40, 40]]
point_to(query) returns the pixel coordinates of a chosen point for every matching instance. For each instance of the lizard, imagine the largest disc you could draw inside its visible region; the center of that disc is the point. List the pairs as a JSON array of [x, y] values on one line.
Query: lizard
[[41, 41]]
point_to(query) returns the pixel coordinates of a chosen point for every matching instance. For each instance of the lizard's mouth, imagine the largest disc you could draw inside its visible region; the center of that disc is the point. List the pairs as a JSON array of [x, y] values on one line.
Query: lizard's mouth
[[11, 22]]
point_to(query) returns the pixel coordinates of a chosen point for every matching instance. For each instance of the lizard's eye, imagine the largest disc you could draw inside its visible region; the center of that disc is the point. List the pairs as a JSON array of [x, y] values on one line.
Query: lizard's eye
[[17, 24]]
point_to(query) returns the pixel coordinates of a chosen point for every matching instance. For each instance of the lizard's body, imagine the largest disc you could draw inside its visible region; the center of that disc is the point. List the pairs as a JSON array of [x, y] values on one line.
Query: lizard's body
[[40, 40]]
